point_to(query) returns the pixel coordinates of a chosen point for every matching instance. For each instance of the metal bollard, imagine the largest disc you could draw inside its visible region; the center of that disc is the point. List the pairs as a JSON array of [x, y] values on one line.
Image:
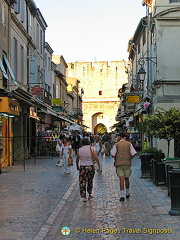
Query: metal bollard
[[175, 192], [0, 158], [168, 168], [145, 164]]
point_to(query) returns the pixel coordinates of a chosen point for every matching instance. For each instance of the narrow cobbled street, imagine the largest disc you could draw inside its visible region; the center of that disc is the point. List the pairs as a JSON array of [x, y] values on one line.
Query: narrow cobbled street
[[42, 200]]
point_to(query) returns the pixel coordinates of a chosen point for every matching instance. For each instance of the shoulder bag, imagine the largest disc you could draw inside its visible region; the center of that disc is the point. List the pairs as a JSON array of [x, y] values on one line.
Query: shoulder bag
[[95, 164]]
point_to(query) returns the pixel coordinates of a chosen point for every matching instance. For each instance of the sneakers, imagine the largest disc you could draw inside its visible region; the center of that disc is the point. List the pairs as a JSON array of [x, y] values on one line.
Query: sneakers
[[128, 195], [59, 165], [121, 199]]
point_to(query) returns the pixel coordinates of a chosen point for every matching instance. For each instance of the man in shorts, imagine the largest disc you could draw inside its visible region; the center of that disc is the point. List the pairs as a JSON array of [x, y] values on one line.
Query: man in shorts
[[123, 152]]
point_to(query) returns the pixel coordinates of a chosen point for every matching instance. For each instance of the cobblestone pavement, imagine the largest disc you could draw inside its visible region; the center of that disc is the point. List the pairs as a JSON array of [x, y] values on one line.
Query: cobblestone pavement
[[37, 203]]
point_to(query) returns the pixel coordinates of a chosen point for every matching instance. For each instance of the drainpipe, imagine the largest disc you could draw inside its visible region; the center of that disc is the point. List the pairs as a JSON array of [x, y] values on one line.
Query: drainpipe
[[148, 48], [27, 29], [149, 72]]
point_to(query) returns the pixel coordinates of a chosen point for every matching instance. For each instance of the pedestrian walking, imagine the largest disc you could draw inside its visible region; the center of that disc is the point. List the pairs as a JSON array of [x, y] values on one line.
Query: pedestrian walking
[[98, 148], [107, 143], [123, 152], [76, 140], [84, 165], [66, 152], [59, 149], [97, 145], [113, 137]]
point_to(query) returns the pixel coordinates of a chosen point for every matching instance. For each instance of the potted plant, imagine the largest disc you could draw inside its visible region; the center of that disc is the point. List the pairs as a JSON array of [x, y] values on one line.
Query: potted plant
[[157, 153], [156, 166]]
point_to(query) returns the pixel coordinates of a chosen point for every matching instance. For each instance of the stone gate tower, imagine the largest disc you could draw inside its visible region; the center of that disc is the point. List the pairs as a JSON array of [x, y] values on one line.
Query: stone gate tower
[[100, 83]]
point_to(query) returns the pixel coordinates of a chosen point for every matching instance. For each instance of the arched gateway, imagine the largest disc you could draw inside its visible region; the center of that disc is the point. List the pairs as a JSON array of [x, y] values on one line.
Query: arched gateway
[[97, 119], [100, 83]]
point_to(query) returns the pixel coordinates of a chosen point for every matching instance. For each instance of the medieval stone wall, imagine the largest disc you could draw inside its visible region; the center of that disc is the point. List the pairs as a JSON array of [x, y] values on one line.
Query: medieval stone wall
[[100, 83]]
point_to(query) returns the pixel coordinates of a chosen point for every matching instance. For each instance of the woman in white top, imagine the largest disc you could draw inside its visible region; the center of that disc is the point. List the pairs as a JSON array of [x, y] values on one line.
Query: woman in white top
[[97, 144], [85, 167], [60, 161], [66, 152], [98, 148]]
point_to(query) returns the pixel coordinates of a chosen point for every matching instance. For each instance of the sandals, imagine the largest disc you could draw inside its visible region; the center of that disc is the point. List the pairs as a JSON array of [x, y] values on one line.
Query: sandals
[[90, 197]]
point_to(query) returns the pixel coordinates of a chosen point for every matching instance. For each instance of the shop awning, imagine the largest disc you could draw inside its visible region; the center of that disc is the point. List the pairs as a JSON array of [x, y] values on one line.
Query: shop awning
[[119, 124], [75, 127], [84, 126], [65, 119], [48, 110], [55, 114], [24, 96]]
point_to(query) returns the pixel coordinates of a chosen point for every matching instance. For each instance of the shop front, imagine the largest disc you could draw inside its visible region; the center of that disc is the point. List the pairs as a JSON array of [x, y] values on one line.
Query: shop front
[[9, 108]]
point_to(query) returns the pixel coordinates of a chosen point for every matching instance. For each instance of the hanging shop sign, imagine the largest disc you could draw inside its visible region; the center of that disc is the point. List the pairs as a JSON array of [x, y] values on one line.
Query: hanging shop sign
[[133, 99], [9, 106], [36, 90], [57, 101], [57, 108], [33, 113]]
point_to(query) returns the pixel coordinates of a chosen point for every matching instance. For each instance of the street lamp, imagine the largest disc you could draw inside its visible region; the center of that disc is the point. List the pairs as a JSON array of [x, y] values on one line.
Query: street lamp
[[141, 74]]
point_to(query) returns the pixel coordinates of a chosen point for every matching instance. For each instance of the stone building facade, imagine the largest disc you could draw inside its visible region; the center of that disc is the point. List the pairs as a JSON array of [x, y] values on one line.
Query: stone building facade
[[100, 82], [154, 52]]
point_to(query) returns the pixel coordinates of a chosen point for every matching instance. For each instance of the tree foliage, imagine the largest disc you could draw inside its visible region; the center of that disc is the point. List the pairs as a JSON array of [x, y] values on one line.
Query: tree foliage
[[163, 124], [101, 128]]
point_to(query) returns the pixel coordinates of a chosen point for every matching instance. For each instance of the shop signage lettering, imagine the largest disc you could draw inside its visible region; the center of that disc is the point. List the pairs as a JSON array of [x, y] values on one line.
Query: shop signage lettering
[[9, 106], [57, 101], [14, 107], [133, 99], [36, 90], [57, 108]]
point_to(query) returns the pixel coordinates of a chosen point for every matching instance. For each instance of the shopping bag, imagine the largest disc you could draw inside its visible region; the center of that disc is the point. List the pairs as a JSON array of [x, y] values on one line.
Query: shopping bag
[[58, 147], [70, 161], [95, 166]]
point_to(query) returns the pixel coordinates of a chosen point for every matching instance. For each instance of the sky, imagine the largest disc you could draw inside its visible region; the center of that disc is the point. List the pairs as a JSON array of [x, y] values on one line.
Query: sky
[[91, 30]]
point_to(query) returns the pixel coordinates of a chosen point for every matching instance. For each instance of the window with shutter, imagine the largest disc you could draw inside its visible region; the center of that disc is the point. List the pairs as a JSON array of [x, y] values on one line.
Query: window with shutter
[[17, 7], [32, 70], [22, 9], [3, 12]]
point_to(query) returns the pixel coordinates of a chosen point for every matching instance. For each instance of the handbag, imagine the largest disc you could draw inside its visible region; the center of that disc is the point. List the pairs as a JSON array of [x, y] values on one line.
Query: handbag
[[70, 161], [95, 164]]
